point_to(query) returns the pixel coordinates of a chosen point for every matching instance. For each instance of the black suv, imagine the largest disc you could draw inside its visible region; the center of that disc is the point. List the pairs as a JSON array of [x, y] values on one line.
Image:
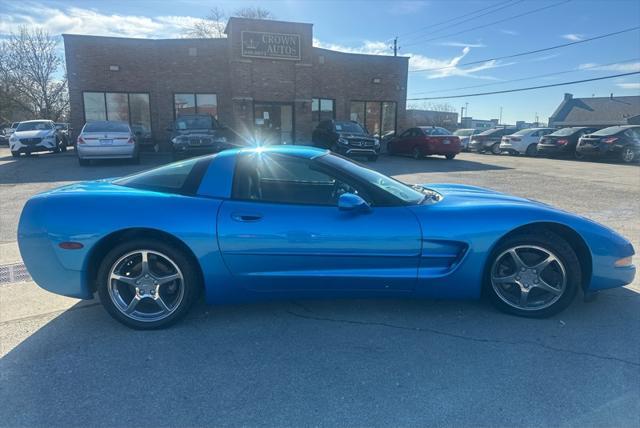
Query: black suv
[[622, 142], [347, 138], [198, 134]]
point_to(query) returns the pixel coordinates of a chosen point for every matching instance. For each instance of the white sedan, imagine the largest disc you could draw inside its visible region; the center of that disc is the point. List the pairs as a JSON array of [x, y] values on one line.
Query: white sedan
[[524, 141], [36, 136]]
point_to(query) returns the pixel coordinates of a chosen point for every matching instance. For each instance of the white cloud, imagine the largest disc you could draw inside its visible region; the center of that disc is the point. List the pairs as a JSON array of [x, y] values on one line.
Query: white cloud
[[573, 37], [628, 67], [75, 20], [509, 32], [629, 85], [462, 45], [435, 68]]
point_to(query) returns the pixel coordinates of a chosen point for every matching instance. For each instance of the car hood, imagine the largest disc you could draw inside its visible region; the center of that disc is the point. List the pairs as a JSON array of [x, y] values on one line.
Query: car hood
[[461, 194], [33, 134]]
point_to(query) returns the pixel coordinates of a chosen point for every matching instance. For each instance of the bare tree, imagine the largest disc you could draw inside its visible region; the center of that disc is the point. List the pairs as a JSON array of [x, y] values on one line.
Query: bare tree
[[30, 64], [256, 12], [441, 107], [213, 25]]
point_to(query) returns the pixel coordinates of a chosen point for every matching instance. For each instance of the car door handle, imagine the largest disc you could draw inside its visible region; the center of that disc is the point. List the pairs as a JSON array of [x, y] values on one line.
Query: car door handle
[[246, 217]]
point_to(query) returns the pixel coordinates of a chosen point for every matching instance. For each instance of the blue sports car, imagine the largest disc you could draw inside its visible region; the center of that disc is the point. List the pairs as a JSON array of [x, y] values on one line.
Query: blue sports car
[[301, 222]]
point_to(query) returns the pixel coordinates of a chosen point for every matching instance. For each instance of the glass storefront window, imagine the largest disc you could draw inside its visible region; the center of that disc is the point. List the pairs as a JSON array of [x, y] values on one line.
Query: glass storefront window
[[207, 104], [94, 107], [372, 118], [184, 104], [117, 107], [388, 120], [322, 109], [378, 117], [357, 112], [140, 114]]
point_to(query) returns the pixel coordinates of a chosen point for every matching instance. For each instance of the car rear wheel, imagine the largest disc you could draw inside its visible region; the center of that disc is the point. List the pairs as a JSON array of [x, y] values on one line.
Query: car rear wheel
[[533, 275], [495, 149], [417, 153], [147, 284], [532, 150], [627, 155], [450, 156]]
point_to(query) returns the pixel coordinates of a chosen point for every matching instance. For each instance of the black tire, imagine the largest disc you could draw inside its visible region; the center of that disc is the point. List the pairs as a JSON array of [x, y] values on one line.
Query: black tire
[[56, 149], [372, 158], [532, 150], [83, 162], [192, 284], [15, 154], [552, 243], [416, 153], [450, 156], [495, 149], [627, 155], [578, 155], [65, 144]]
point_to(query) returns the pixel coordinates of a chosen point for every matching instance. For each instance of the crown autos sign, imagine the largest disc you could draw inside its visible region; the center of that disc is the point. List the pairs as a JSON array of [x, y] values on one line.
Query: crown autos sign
[[270, 45]]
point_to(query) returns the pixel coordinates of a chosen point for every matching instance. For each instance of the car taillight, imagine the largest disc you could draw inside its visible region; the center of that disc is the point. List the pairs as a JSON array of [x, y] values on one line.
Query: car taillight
[[610, 140], [562, 142], [80, 140]]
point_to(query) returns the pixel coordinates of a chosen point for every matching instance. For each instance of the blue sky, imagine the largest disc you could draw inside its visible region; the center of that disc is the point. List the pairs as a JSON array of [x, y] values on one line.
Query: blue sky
[[368, 27]]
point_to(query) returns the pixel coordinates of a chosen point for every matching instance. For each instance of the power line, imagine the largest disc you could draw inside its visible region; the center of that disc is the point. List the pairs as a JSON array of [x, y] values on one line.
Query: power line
[[491, 23], [525, 89], [589, 67], [564, 45], [465, 15]]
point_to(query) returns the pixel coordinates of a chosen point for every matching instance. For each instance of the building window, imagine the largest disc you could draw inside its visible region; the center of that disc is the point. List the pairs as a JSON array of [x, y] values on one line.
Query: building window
[[322, 109], [195, 104], [378, 117], [127, 107]]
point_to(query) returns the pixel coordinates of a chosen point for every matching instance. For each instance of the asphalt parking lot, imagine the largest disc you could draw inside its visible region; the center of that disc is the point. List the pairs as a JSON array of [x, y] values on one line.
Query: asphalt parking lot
[[325, 363]]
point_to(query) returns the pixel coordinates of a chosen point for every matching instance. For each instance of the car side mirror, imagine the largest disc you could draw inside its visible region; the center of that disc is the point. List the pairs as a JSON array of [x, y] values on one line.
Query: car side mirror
[[352, 202]]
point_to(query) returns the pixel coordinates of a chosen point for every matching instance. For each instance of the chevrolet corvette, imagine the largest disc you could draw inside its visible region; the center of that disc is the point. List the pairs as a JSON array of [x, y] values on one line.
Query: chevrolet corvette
[[287, 222]]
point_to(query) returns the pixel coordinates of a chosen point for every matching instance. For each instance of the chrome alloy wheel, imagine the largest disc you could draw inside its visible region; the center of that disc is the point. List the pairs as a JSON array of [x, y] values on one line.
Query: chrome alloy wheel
[[528, 277], [146, 285], [627, 154]]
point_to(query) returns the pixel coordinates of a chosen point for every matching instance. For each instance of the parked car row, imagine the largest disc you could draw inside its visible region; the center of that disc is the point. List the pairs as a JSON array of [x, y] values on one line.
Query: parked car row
[[37, 136], [615, 142]]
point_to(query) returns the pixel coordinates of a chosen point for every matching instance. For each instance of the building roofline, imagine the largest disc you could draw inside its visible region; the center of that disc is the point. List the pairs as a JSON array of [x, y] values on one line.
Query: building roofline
[[92, 36]]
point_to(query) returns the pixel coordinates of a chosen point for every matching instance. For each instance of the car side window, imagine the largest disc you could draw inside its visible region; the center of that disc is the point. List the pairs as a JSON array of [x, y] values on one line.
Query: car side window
[[406, 133], [265, 177]]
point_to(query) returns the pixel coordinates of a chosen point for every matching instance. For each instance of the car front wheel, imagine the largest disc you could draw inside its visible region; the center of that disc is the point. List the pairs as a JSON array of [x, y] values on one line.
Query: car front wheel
[[627, 155], [450, 156], [533, 275], [147, 284], [495, 149], [532, 150]]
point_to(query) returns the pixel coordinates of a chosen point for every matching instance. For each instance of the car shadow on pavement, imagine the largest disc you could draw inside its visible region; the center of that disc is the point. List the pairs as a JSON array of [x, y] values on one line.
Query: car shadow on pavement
[[396, 165], [332, 362], [64, 167]]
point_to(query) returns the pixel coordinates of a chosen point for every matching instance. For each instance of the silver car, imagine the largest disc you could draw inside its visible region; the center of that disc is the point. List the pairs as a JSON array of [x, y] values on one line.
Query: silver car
[[107, 140]]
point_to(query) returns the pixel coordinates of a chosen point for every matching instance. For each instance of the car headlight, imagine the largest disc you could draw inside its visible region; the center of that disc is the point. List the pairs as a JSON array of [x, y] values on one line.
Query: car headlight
[[342, 141], [376, 142], [13, 139], [176, 140]]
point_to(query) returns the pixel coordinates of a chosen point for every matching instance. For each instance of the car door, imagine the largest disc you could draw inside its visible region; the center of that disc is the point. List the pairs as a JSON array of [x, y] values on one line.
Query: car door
[[400, 143], [282, 230]]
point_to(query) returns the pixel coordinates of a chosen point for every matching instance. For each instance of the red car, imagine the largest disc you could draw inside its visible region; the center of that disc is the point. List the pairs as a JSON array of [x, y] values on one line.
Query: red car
[[424, 141]]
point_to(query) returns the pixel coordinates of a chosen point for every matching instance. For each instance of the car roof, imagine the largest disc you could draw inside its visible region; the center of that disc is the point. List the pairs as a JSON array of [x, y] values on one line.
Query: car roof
[[306, 152], [36, 120]]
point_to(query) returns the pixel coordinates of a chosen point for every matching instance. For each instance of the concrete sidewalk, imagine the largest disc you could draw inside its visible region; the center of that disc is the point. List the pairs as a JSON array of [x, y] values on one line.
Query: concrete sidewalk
[[9, 253]]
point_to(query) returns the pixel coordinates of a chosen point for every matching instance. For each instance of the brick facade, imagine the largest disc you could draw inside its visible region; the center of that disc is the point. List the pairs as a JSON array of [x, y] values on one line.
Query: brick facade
[[163, 68]]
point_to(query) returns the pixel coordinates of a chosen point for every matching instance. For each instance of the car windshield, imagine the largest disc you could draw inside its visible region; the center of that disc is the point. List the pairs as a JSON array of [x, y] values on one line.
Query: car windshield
[[33, 126], [400, 190], [349, 127], [464, 132], [106, 127], [565, 131], [609, 131], [195, 122]]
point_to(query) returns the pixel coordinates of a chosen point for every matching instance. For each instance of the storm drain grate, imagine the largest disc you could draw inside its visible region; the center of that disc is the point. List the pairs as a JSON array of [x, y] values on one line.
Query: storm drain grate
[[16, 272]]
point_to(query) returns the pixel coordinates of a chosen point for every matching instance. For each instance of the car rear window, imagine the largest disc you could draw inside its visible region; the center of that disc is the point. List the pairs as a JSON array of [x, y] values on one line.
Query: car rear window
[[106, 127], [464, 132], [565, 131], [179, 177], [609, 131]]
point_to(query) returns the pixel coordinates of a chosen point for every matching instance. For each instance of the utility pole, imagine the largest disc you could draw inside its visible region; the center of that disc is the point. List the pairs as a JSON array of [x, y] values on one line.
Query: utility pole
[[500, 120], [395, 46]]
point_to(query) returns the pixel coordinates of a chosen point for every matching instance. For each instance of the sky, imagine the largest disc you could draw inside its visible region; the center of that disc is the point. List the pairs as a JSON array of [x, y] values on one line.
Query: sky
[[434, 34]]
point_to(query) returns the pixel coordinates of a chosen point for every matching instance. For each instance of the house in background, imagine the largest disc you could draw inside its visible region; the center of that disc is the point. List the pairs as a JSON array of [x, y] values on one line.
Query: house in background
[[469, 122], [597, 111]]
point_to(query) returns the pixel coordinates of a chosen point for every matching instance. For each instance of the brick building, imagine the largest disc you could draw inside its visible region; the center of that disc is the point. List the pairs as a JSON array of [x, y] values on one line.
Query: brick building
[[266, 78]]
